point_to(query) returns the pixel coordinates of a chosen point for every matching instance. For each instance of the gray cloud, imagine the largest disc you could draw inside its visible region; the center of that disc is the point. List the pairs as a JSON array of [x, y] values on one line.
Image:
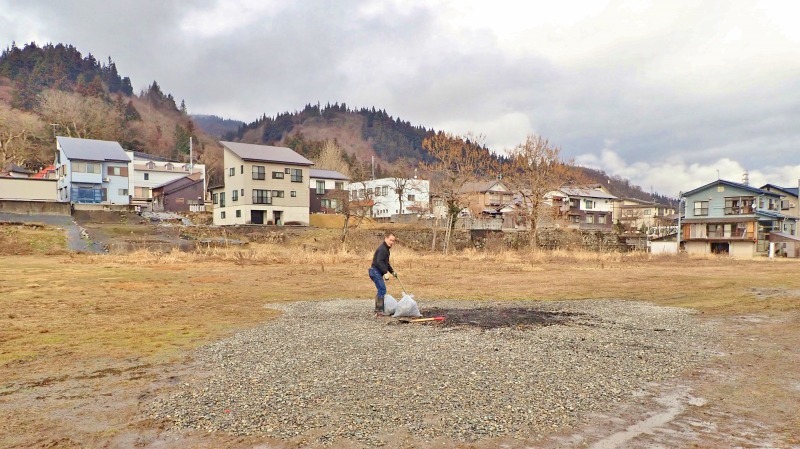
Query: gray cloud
[[683, 84]]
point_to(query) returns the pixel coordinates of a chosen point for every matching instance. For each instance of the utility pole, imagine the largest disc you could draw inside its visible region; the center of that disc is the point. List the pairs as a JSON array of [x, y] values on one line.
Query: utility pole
[[191, 162]]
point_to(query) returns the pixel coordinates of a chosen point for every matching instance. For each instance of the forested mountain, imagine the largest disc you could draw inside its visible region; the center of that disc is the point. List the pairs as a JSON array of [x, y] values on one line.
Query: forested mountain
[[216, 126], [55, 90]]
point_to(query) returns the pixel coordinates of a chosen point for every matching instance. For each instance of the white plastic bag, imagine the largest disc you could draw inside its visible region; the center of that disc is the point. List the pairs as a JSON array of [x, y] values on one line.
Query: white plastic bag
[[389, 305], [407, 307]]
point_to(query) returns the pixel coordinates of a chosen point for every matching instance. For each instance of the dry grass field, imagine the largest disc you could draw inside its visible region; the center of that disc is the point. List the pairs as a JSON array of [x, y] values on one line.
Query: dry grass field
[[85, 338]]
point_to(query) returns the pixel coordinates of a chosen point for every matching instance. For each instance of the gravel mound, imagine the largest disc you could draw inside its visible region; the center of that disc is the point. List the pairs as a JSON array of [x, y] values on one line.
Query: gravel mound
[[329, 373]]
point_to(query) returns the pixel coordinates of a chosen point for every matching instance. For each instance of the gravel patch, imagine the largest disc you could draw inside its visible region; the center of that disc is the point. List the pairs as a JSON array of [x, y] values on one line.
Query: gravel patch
[[329, 373]]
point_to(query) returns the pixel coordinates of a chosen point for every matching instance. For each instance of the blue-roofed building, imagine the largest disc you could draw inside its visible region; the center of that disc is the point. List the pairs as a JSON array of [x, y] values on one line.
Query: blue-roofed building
[[725, 217], [91, 171]]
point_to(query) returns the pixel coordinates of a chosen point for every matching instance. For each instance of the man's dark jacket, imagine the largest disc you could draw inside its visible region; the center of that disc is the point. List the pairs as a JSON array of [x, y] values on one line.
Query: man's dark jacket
[[380, 261]]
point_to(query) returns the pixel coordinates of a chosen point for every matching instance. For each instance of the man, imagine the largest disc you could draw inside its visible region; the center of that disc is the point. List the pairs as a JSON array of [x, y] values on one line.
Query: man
[[381, 268]]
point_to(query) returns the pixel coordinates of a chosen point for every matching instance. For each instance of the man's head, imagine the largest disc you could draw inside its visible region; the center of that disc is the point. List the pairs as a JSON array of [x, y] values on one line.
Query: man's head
[[389, 238]]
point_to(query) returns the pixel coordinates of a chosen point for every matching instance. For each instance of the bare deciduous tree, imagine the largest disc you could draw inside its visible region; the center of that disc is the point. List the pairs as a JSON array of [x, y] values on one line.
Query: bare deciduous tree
[[458, 160], [533, 169], [83, 117], [331, 157], [24, 138], [353, 207]]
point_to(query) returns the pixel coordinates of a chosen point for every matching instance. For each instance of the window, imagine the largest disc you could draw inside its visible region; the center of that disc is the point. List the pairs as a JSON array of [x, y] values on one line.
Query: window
[[700, 208], [277, 175], [169, 166], [589, 219], [277, 193], [235, 195], [325, 203], [588, 204], [186, 167], [238, 213], [231, 171], [601, 219], [215, 198], [122, 192], [320, 188], [575, 218], [739, 205], [648, 212], [117, 171], [222, 199], [297, 175], [242, 193], [411, 198], [293, 194], [286, 170], [147, 176], [222, 215], [258, 172], [338, 185], [575, 203], [85, 167], [151, 165], [261, 196], [385, 190], [242, 170]]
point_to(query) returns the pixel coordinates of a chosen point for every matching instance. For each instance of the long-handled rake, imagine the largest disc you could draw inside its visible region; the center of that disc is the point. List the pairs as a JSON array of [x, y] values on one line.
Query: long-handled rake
[[401, 283]]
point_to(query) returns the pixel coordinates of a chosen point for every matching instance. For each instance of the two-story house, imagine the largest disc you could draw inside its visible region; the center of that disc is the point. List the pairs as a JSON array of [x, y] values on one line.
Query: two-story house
[[148, 171], [393, 196], [636, 215], [725, 217], [322, 185], [589, 208], [262, 185], [790, 205], [490, 198], [91, 171]]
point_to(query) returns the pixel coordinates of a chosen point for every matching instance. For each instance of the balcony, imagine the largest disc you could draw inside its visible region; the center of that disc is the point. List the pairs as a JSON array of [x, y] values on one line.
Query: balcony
[[721, 235]]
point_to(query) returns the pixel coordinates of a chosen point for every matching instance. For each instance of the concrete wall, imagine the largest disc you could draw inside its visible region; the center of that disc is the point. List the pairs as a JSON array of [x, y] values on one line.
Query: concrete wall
[[34, 207], [664, 247], [28, 189], [742, 249], [697, 248]]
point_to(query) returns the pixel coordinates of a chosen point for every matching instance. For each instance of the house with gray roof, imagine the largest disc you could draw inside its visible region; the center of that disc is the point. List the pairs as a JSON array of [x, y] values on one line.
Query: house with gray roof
[[91, 171], [588, 208], [262, 185]]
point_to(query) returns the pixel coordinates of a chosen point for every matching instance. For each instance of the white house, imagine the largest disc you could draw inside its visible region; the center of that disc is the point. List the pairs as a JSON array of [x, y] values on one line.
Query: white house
[[393, 196], [91, 171], [262, 185], [148, 172]]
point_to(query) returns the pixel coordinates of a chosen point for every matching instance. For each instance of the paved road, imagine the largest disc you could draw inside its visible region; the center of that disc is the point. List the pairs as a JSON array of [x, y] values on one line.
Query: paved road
[[74, 240]]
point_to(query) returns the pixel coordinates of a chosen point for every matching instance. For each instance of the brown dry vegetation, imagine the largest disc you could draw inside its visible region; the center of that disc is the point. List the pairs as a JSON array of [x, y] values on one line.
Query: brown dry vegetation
[[72, 316]]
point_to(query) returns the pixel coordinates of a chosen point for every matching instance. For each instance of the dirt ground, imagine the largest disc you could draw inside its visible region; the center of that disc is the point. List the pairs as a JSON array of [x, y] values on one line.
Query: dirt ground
[[87, 341]]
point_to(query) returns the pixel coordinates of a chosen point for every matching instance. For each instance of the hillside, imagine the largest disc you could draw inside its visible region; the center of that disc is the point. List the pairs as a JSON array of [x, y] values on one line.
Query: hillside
[[55, 90], [215, 126]]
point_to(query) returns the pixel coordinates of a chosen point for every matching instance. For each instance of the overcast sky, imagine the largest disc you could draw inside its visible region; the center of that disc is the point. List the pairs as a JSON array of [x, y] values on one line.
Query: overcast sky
[[669, 94]]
